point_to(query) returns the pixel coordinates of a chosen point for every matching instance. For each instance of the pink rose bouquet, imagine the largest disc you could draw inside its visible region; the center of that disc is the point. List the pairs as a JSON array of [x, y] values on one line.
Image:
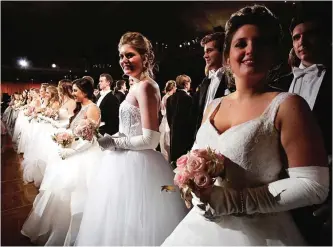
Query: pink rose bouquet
[[85, 129], [64, 139], [51, 113], [29, 111], [198, 169]]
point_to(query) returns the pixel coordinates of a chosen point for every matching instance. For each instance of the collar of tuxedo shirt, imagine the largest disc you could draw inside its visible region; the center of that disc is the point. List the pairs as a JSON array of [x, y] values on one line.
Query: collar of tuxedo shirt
[[105, 92], [217, 73]]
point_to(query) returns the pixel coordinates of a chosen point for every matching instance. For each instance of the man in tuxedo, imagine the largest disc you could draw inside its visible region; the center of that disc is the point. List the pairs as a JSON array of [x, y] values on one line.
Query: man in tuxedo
[[109, 106], [120, 90], [312, 80], [215, 84], [178, 108]]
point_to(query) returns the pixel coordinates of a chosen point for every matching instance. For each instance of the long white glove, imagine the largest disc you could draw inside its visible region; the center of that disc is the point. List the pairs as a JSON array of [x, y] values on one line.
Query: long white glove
[[148, 140], [77, 147], [304, 187], [59, 125]]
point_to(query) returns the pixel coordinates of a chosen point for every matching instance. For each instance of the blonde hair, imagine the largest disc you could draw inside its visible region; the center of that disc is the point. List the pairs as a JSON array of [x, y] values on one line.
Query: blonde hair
[[180, 81], [143, 46], [169, 86], [44, 86], [54, 93]]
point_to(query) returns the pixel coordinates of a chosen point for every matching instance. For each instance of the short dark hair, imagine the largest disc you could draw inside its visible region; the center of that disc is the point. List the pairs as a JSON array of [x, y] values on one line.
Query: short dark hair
[[306, 16], [323, 24], [108, 78], [120, 84], [218, 37]]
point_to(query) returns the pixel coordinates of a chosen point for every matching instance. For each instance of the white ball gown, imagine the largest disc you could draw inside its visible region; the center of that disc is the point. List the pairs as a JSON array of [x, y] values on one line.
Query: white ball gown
[[125, 204], [37, 150], [254, 146], [57, 209], [22, 132]]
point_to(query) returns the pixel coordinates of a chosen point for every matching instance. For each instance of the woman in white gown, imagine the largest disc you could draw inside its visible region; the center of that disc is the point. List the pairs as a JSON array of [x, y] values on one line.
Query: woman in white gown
[[255, 129], [13, 113], [170, 89], [125, 205], [35, 141], [57, 209], [36, 156], [22, 123]]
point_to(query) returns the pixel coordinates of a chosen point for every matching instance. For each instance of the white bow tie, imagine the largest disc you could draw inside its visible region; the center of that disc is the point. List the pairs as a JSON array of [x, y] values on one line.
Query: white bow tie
[[315, 69], [217, 74]]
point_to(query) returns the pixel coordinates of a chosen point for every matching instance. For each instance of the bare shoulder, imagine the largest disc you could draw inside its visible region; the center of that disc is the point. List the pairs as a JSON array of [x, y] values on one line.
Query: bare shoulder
[[294, 103], [148, 87], [293, 109], [93, 108]]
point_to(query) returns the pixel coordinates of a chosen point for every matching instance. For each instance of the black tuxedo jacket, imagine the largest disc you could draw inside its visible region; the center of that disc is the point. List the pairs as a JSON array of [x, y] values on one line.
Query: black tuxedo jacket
[[178, 110], [312, 227], [120, 96], [199, 99], [109, 114]]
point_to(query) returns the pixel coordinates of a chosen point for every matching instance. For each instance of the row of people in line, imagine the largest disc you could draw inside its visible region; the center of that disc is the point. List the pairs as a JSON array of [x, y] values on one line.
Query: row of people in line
[[112, 197]]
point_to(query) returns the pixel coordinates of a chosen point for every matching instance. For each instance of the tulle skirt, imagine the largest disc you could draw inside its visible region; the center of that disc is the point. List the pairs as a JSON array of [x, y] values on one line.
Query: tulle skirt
[[271, 229], [57, 210], [22, 133], [125, 205], [18, 127], [10, 124], [36, 156]]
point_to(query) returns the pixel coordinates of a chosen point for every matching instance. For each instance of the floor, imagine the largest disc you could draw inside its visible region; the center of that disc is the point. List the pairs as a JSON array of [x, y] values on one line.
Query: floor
[[16, 197]]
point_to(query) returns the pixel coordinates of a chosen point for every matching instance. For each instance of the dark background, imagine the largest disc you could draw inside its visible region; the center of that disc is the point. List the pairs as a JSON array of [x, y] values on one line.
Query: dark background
[[82, 37]]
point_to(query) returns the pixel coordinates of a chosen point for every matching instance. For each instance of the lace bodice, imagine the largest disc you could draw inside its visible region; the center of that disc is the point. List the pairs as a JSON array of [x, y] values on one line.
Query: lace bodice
[[253, 146], [129, 119], [81, 115]]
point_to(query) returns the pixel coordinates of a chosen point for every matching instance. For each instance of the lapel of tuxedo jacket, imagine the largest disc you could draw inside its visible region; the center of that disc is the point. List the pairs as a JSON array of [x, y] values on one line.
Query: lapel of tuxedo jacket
[[324, 96], [203, 93], [222, 86], [103, 102], [323, 109]]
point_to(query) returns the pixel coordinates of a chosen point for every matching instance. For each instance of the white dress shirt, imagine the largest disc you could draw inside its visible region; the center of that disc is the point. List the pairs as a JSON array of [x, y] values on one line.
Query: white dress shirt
[[307, 82], [215, 79], [103, 94], [99, 101]]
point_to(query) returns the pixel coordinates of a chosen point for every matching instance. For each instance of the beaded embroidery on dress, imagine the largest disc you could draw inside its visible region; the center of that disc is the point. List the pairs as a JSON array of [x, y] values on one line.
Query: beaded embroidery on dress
[[254, 147], [131, 209]]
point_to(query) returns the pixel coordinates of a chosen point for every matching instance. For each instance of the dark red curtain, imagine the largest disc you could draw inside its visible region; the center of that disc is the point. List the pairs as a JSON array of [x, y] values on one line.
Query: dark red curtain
[[12, 87]]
